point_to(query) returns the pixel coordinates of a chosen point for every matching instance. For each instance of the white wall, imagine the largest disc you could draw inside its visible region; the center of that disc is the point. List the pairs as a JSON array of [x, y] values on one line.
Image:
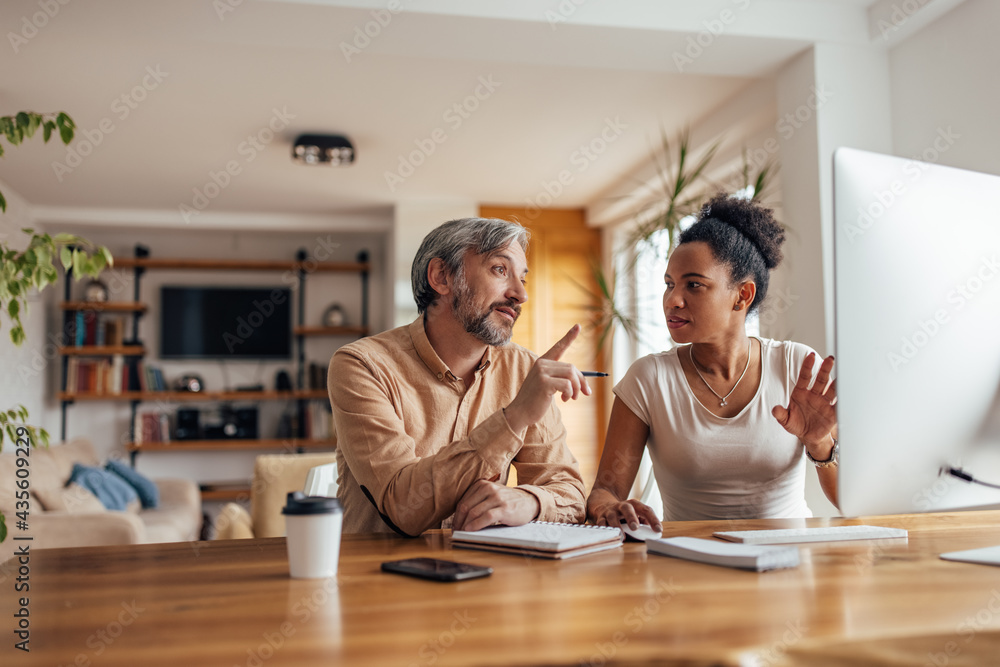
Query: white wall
[[412, 222], [944, 84]]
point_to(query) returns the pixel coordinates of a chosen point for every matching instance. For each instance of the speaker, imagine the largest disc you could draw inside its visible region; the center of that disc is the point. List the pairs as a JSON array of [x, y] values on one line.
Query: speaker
[[188, 427], [246, 423]]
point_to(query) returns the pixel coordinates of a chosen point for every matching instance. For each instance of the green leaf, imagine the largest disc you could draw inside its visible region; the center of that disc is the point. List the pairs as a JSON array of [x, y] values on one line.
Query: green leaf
[[66, 127], [66, 257], [14, 308], [23, 120], [17, 335], [47, 130], [65, 238], [3, 201], [3, 528], [97, 263], [108, 259]]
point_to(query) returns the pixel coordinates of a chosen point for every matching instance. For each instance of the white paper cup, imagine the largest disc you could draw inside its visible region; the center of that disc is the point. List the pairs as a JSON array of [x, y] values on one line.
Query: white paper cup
[[313, 534]]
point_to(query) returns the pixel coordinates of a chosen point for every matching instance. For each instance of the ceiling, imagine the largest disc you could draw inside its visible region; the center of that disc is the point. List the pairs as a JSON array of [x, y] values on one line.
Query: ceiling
[[534, 82]]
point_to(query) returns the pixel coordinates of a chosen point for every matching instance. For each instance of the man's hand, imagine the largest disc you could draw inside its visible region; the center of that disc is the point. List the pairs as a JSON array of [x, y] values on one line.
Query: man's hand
[[490, 503], [547, 377]]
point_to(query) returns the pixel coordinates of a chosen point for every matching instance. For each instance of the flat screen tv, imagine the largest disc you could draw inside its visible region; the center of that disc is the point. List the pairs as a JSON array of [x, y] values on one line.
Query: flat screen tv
[[225, 323]]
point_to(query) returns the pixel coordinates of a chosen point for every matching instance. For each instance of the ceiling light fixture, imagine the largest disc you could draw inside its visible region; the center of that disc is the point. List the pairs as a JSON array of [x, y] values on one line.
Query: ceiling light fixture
[[332, 149]]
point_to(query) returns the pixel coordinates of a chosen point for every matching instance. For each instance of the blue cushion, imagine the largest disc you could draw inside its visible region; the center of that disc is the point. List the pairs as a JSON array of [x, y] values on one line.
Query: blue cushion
[[113, 492], [149, 494]]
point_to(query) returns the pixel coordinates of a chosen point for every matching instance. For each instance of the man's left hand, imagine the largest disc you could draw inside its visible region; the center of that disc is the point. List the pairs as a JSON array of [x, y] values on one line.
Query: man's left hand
[[491, 503]]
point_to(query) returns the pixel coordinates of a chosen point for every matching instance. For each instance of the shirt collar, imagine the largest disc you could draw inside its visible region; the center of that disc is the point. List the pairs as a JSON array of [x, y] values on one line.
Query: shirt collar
[[430, 357]]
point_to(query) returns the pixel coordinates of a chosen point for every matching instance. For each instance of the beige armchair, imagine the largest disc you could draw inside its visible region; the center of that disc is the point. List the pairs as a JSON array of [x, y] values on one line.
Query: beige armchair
[[274, 477]]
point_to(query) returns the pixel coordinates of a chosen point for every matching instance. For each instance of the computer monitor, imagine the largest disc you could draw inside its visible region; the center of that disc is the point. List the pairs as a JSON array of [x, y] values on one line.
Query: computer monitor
[[917, 324]]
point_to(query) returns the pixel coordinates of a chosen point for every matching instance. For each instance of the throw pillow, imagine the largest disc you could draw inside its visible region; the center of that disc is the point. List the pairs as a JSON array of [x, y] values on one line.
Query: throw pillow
[[72, 499], [147, 490], [113, 492]]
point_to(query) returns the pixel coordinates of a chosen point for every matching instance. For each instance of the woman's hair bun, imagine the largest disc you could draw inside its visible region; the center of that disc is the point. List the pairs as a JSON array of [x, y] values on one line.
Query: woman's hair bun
[[751, 219]]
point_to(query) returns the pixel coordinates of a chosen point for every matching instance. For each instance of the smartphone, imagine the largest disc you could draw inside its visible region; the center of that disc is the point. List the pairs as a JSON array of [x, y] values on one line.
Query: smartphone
[[438, 570]]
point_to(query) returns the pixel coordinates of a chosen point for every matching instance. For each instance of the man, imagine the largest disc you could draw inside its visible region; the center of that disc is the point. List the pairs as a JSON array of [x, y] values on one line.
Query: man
[[430, 416]]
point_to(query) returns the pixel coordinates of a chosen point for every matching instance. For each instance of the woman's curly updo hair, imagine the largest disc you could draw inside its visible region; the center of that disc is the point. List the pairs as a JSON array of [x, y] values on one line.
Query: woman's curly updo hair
[[743, 235]]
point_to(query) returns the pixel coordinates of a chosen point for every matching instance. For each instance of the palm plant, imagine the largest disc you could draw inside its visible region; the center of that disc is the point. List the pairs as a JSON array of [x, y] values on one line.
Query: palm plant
[[681, 187]]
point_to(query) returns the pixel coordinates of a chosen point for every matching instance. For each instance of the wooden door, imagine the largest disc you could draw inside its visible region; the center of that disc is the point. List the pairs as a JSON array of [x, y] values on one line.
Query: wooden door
[[561, 290]]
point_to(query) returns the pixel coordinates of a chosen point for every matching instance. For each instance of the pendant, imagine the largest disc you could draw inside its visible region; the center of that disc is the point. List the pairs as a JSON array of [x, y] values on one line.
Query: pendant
[[722, 403]]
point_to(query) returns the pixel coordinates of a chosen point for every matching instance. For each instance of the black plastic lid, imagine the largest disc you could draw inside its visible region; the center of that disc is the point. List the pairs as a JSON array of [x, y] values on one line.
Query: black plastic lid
[[299, 504]]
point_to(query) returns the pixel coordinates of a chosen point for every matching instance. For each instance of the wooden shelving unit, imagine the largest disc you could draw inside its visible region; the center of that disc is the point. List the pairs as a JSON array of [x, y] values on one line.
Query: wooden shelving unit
[[291, 444], [104, 306], [102, 350], [302, 267], [188, 397], [225, 491], [240, 265], [329, 331]]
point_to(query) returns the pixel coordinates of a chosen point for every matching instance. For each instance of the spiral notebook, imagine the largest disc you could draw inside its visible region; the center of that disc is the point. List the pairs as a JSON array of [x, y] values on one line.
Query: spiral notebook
[[541, 539]]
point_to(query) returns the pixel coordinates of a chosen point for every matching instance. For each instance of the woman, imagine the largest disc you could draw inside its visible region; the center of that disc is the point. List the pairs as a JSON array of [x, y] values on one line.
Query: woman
[[729, 419]]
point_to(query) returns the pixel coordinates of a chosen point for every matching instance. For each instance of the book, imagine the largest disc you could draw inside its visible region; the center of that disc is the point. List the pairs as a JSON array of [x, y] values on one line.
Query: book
[[727, 554], [813, 534], [541, 539]]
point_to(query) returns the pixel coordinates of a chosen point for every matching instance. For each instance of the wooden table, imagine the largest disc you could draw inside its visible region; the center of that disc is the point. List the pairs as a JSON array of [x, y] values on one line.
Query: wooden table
[[232, 603]]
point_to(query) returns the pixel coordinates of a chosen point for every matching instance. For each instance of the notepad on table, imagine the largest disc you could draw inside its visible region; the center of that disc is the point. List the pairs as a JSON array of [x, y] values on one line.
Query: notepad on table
[[541, 539], [727, 554], [813, 534]]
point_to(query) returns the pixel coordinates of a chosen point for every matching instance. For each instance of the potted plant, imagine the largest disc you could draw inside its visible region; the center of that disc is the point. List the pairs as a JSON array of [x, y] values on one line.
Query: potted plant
[[31, 263]]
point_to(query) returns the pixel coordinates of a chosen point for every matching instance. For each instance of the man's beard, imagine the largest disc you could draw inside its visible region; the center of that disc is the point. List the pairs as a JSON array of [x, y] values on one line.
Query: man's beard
[[479, 324]]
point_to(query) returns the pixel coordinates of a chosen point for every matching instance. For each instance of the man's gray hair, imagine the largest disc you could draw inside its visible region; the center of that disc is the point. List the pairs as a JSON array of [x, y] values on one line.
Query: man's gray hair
[[451, 241]]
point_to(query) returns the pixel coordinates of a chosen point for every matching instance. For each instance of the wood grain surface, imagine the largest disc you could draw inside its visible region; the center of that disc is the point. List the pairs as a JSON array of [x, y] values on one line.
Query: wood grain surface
[[233, 603]]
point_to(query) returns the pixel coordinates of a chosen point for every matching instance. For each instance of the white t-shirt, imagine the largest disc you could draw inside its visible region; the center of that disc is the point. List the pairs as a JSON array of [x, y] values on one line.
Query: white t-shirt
[[710, 467]]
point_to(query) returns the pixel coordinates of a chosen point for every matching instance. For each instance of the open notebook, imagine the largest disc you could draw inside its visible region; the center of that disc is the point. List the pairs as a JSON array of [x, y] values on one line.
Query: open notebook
[[541, 539]]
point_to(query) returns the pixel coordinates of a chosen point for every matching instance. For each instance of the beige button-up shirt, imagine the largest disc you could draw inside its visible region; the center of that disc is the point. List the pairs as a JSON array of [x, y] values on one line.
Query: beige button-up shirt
[[411, 439]]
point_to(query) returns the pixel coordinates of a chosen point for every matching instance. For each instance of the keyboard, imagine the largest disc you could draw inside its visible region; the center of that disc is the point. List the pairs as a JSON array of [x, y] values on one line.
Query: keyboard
[[821, 534]]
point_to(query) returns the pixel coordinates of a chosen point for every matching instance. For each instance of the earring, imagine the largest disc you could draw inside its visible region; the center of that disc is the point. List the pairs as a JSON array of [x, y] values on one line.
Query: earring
[[736, 307]]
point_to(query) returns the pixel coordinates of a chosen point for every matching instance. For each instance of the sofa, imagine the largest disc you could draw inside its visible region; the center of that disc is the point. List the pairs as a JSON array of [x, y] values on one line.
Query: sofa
[[61, 516]]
